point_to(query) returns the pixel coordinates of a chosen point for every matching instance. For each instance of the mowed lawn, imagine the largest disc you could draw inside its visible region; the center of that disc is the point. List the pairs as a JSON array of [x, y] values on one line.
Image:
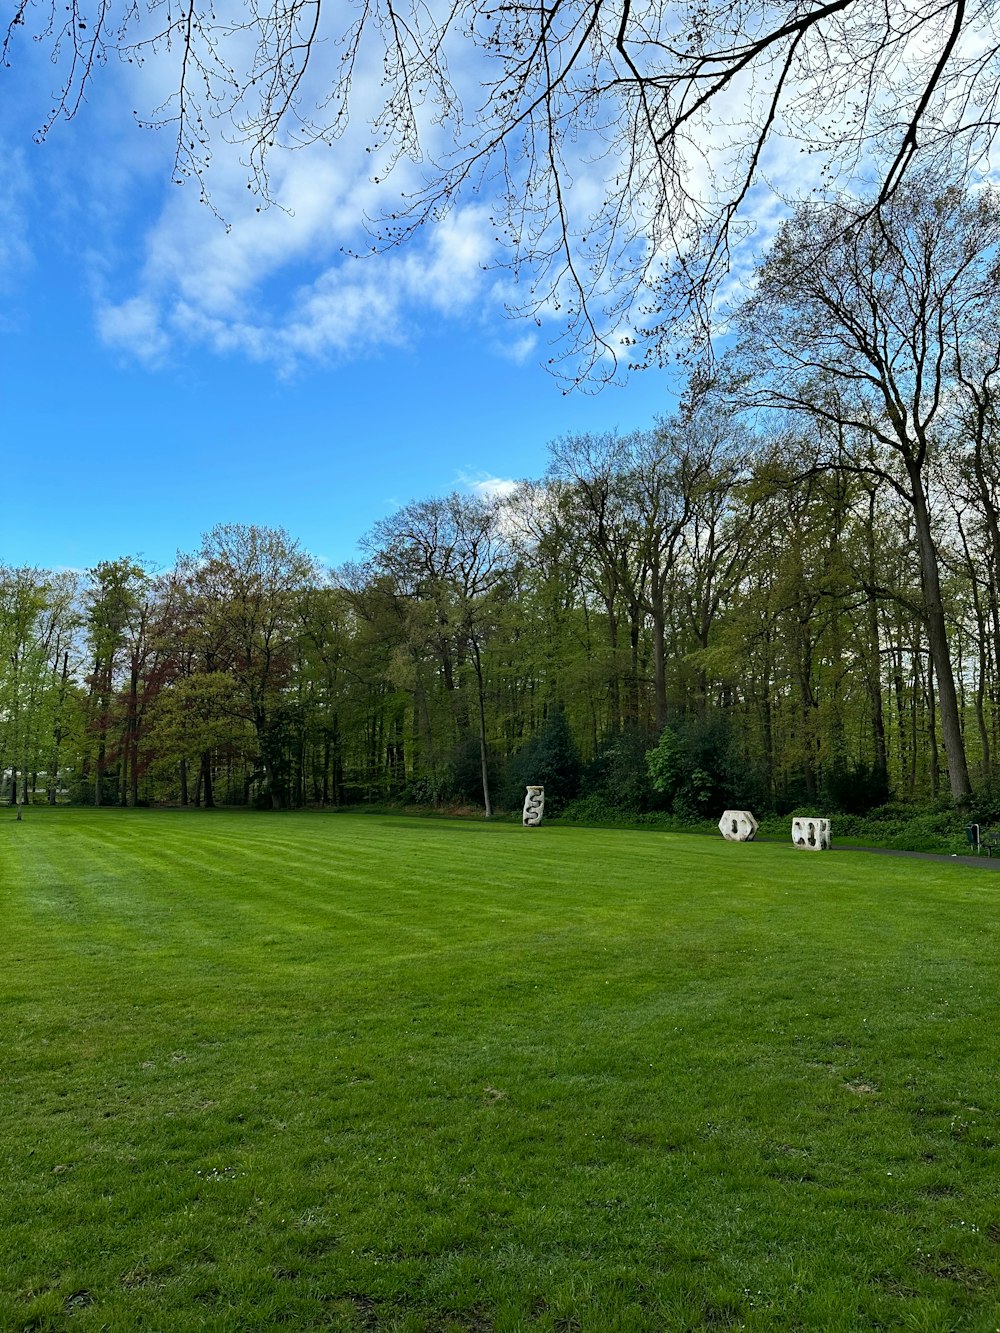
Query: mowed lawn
[[326, 1071]]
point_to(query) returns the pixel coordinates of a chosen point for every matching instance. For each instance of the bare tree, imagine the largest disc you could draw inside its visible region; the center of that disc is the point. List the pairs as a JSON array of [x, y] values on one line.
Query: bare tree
[[672, 110], [866, 325], [447, 566]]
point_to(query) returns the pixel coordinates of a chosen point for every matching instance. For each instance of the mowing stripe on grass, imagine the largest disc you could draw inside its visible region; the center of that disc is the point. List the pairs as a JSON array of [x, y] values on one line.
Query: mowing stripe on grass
[[370, 1073]]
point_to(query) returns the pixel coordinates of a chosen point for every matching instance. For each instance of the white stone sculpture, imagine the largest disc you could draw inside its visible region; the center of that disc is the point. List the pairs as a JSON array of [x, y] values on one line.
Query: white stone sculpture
[[534, 804], [738, 826], [812, 834]]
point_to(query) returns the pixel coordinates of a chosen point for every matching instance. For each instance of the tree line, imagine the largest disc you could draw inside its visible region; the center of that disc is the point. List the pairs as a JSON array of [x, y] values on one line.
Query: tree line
[[786, 593]]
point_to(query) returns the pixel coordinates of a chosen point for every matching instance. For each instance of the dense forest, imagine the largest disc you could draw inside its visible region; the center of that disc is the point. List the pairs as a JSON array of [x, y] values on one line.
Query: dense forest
[[786, 593]]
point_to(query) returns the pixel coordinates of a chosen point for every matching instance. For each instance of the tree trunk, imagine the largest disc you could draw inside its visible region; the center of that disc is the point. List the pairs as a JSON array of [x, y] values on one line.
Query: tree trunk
[[932, 740], [483, 757], [659, 666], [874, 674], [937, 639]]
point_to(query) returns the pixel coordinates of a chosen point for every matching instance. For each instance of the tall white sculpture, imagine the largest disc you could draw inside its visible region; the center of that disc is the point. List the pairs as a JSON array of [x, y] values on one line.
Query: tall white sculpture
[[534, 804], [812, 834], [738, 826]]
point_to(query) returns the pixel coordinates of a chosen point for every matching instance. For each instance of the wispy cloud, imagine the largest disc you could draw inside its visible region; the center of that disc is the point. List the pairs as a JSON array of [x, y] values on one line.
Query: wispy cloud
[[134, 327], [277, 285], [15, 249], [249, 289], [518, 350], [485, 486]]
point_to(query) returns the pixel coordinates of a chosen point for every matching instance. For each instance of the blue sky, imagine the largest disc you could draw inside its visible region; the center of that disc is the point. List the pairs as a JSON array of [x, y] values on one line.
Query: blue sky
[[161, 375]]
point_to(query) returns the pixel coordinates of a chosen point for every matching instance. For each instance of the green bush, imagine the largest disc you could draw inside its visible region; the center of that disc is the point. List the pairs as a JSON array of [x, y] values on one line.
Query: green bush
[[855, 788], [548, 759], [618, 776]]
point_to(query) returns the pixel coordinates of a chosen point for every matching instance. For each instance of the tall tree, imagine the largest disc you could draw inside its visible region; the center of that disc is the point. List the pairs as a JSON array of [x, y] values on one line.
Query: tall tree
[[448, 558], [248, 582], [114, 595], [859, 321]]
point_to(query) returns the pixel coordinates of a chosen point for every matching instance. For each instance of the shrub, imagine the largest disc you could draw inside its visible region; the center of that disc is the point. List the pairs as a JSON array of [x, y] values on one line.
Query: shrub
[[619, 777], [855, 788], [550, 759], [693, 769]]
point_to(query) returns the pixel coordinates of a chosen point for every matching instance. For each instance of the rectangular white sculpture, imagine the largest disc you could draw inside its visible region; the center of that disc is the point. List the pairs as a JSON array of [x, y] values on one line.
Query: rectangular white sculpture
[[737, 826], [812, 834], [534, 804]]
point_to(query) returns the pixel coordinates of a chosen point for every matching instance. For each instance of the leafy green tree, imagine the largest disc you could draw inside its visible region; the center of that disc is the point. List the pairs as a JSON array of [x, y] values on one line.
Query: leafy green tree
[[246, 586], [115, 597], [446, 567]]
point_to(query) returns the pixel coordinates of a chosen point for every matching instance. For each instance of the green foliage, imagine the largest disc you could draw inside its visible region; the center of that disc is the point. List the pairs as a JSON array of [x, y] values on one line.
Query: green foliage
[[667, 765], [893, 826], [618, 777], [855, 788], [463, 780], [692, 769], [549, 758], [985, 806]]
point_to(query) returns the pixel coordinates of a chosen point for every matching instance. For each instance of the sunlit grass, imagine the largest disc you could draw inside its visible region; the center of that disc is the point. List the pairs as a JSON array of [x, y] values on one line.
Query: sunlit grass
[[366, 1073]]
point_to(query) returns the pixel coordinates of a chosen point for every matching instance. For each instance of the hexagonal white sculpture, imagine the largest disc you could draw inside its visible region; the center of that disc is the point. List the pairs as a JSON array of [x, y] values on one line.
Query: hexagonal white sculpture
[[737, 826], [534, 804], [812, 834]]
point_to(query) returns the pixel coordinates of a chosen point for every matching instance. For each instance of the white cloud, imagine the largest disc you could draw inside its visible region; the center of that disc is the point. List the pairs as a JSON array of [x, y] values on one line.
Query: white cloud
[[487, 487], [279, 284], [519, 350], [276, 287], [15, 250], [134, 327]]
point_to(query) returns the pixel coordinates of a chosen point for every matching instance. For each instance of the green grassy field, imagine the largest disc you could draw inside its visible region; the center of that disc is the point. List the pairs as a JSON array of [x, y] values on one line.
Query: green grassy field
[[364, 1073]]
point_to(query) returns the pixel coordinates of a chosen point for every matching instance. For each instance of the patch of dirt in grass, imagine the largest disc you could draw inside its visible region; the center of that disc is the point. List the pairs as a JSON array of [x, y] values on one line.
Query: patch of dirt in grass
[[137, 1278], [364, 1308], [475, 1320], [861, 1087], [938, 1191], [491, 1095], [789, 1175], [993, 1232], [317, 1246], [892, 1286], [949, 1269]]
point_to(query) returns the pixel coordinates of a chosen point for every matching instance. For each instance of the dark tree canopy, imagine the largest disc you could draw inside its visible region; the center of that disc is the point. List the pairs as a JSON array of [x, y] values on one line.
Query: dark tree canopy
[[620, 147]]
